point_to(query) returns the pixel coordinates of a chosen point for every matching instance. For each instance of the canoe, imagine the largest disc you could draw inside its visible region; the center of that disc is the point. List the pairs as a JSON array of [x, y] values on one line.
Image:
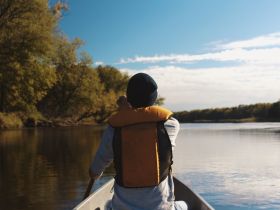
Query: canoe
[[100, 199]]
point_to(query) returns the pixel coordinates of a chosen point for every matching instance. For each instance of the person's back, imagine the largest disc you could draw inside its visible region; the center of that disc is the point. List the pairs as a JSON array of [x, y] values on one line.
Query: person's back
[[139, 139]]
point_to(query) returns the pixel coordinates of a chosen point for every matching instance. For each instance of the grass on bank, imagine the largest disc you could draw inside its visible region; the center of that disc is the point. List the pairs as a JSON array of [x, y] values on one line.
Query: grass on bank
[[15, 120], [10, 121]]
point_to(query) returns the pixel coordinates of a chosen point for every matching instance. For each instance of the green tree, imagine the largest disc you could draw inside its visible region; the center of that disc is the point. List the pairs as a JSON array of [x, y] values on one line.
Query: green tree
[[26, 46], [112, 79], [114, 85], [160, 101], [274, 111], [78, 87]]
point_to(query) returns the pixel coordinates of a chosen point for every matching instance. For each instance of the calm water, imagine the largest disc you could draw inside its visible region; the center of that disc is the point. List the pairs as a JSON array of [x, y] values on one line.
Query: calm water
[[233, 166]]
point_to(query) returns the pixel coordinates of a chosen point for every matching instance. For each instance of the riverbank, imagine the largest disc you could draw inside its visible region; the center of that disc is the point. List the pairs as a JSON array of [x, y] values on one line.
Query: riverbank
[[20, 120], [242, 120], [16, 121]]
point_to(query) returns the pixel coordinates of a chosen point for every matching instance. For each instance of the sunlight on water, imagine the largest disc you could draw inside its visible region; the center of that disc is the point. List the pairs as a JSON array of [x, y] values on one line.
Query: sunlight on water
[[233, 166]]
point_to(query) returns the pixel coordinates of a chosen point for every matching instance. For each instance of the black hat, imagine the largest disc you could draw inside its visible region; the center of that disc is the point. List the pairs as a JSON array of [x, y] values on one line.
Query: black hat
[[141, 90]]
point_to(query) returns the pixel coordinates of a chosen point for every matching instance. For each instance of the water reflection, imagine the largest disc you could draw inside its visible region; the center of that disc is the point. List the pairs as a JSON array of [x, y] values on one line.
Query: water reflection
[[232, 167], [45, 168]]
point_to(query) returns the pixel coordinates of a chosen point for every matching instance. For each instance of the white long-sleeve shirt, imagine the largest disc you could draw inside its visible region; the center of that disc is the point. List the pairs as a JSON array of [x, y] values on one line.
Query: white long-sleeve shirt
[[160, 197]]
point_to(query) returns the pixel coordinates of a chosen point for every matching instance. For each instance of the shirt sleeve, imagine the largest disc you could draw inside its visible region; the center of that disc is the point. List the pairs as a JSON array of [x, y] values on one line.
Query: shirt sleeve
[[104, 155], [172, 127]]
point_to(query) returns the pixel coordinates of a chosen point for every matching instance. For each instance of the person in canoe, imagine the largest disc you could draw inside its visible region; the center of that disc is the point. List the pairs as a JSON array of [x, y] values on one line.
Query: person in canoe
[[140, 139]]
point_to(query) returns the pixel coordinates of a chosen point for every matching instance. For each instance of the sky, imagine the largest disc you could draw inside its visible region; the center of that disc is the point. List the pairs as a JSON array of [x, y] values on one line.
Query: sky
[[201, 53]]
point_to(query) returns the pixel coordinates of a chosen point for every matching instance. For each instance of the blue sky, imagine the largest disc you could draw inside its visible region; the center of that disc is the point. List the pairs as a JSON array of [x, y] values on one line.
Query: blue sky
[[202, 53]]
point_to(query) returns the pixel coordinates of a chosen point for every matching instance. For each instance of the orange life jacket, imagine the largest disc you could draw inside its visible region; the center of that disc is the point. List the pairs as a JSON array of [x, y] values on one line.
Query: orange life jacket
[[141, 145]]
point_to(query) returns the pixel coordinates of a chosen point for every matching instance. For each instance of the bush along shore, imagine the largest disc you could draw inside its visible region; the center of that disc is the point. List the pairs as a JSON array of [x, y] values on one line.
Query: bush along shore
[[19, 120], [261, 112]]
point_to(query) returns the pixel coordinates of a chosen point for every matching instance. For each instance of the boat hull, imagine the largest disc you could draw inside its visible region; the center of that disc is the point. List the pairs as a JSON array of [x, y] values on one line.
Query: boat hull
[[100, 199]]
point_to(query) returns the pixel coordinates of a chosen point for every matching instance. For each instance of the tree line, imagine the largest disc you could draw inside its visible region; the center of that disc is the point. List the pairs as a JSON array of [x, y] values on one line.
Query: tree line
[[242, 113], [43, 74]]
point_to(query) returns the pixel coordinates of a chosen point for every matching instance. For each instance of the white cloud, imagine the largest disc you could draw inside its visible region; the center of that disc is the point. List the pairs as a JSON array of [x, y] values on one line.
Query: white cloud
[[268, 56], [188, 89], [254, 77], [260, 56], [98, 63], [258, 50], [268, 40]]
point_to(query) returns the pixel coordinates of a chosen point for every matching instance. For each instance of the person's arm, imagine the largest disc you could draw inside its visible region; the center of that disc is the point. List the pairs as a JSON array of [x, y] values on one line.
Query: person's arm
[[172, 127], [104, 154]]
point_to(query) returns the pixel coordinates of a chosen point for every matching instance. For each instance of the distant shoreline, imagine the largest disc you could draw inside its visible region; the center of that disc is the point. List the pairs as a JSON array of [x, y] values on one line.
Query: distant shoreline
[[261, 112], [67, 123], [243, 120]]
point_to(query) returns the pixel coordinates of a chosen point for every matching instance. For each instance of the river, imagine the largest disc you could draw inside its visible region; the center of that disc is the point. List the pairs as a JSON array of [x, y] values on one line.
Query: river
[[233, 166]]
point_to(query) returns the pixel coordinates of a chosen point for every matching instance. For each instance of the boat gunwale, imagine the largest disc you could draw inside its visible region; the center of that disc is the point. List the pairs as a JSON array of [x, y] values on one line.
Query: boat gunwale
[[104, 186], [204, 205]]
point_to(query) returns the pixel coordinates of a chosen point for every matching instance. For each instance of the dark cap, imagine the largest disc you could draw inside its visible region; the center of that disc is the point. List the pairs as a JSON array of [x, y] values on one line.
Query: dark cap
[[141, 90]]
